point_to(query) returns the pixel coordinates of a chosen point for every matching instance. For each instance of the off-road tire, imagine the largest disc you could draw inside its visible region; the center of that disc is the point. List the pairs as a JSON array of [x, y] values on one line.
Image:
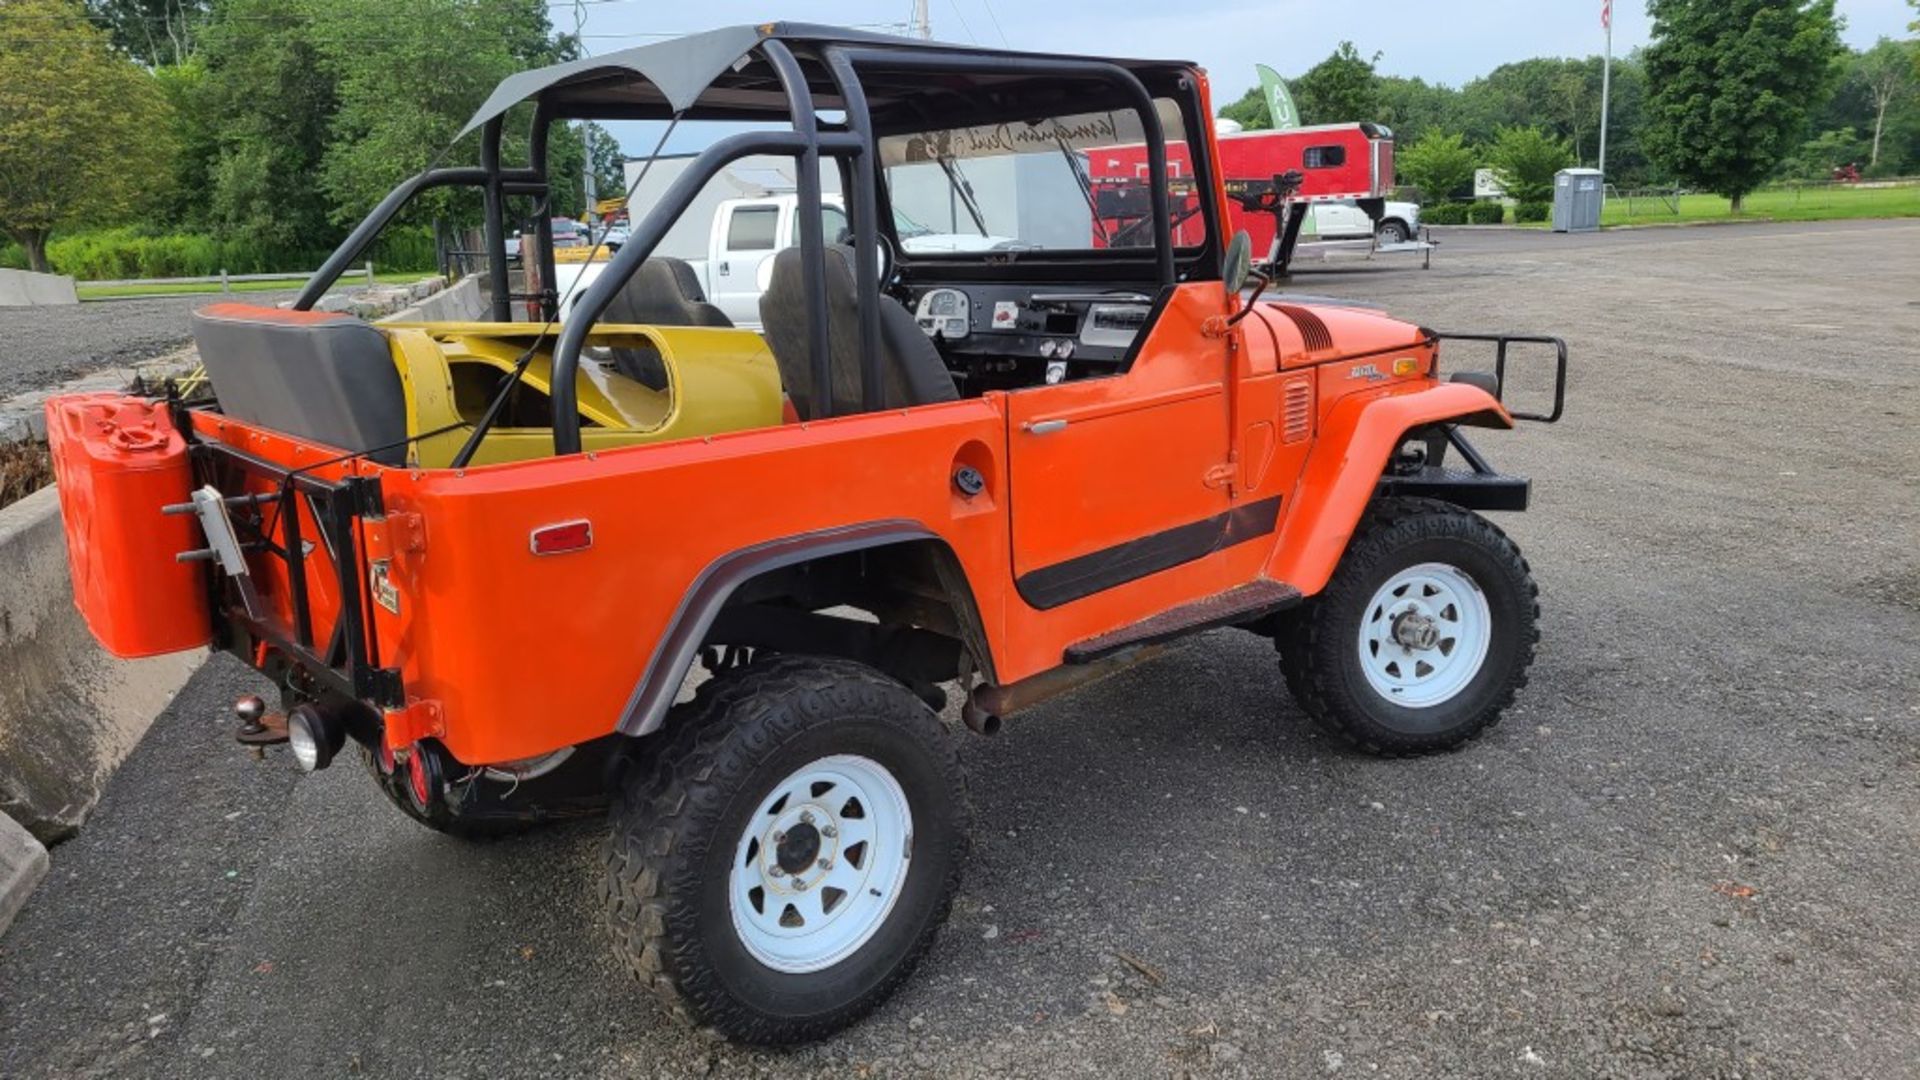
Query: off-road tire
[[439, 818], [683, 804], [1318, 641]]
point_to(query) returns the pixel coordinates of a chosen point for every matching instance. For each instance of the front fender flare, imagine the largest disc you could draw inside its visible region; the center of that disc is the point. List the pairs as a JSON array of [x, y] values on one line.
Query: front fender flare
[[1355, 440], [674, 653]]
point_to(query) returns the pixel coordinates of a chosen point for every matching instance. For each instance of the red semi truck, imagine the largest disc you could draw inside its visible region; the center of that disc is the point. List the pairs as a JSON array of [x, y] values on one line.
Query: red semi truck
[[1336, 162]]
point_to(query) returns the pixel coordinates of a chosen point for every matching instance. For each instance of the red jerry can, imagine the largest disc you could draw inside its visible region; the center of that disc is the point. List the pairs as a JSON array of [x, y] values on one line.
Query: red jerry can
[[118, 461]]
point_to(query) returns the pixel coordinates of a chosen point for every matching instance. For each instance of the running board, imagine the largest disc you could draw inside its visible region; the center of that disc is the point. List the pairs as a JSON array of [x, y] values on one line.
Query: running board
[[1243, 603]]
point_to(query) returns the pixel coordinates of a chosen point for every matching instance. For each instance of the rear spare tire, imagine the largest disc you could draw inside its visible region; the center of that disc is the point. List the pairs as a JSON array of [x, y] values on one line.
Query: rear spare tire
[[1422, 637], [778, 865]]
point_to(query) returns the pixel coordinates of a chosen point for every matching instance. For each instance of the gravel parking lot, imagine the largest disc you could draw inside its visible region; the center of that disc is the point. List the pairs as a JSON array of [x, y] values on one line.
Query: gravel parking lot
[[46, 346], [1690, 851]]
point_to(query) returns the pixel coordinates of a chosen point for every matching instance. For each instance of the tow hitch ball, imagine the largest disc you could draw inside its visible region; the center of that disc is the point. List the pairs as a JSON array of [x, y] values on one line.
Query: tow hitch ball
[[259, 728], [250, 711]]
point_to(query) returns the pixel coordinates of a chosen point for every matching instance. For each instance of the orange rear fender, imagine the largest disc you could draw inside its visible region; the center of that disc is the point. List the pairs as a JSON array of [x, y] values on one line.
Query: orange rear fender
[[1357, 435]]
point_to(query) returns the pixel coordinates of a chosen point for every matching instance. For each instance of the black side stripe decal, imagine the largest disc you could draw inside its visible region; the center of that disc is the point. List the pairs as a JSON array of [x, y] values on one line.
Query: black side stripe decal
[[1097, 571]]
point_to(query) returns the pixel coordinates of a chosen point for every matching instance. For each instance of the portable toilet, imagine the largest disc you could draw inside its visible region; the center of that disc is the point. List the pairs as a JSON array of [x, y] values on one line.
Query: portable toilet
[[1577, 194]]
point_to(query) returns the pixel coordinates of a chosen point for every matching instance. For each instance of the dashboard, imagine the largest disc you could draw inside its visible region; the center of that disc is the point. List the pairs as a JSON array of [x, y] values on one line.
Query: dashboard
[[1006, 336]]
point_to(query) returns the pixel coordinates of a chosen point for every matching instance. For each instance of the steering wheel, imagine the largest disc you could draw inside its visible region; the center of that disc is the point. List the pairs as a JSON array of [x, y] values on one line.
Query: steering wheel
[[886, 258], [889, 259]]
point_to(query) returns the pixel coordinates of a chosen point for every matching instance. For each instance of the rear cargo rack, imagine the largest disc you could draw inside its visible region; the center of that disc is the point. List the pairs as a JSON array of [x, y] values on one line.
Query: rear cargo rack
[[338, 657]]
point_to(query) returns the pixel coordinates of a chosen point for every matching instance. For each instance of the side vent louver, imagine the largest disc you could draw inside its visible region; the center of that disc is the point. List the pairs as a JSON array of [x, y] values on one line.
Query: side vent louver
[[1296, 411], [1311, 328]]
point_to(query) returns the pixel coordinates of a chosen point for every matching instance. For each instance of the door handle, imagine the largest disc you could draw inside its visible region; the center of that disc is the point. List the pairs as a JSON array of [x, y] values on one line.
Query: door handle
[[1043, 427], [723, 266]]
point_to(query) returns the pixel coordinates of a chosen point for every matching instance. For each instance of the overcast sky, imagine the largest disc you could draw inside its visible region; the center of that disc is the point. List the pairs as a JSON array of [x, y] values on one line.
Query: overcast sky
[[1449, 42]]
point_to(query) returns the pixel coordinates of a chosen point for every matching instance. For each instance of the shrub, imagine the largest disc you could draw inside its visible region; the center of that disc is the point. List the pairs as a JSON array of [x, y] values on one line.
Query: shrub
[[1439, 164], [1487, 212], [1526, 159], [1447, 213], [25, 468], [400, 249], [110, 254], [1532, 211]]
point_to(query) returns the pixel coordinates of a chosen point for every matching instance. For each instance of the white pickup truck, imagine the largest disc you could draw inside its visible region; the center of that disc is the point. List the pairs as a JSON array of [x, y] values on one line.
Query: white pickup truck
[[739, 257], [1344, 220], [746, 234]]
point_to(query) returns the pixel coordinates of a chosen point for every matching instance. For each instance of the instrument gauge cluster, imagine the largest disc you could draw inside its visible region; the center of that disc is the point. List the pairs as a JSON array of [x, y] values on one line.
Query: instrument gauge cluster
[[944, 313]]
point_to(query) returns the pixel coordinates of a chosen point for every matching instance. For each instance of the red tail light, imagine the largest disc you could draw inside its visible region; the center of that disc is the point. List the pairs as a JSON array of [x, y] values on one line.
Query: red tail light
[[562, 538]]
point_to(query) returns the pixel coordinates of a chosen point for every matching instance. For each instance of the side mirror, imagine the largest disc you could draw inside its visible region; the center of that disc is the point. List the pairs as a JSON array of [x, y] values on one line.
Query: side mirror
[[1237, 269], [1238, 261]]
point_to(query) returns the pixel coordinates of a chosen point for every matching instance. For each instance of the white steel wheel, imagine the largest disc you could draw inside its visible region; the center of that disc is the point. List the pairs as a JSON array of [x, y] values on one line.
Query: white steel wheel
[[820, 864], [1424, 635]]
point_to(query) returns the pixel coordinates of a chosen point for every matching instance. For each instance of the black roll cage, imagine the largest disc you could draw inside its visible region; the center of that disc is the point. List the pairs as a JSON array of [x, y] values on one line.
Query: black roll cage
[[851, 144]]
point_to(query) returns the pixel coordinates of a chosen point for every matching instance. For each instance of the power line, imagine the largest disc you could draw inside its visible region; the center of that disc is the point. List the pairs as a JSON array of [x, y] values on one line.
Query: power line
[[963, 22], [988, 4]]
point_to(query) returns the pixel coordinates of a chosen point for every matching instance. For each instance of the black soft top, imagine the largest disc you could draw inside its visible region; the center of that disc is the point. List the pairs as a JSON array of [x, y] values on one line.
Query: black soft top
[[714, 75]]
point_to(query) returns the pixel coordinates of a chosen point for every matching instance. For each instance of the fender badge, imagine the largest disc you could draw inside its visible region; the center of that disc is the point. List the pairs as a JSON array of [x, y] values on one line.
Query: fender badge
[[385, 593], [1369, 372]]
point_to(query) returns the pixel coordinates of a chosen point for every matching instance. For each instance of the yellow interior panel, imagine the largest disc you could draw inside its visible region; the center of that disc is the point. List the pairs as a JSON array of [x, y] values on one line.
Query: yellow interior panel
[[718, 379]]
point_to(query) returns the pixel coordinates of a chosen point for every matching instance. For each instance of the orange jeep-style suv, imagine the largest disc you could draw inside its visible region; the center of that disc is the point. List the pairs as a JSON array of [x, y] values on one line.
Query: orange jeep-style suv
[[721, 578]]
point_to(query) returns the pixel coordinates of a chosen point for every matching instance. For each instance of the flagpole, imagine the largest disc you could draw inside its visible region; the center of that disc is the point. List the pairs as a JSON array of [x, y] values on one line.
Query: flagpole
[[1606, 84]]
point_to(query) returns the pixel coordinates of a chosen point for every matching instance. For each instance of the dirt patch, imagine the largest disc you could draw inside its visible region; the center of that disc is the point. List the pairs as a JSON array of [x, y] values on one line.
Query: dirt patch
[[25, 467]]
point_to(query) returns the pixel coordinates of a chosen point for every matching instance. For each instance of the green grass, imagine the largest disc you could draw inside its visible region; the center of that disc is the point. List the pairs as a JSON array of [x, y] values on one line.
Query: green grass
[[349, 280], [1818, 202]]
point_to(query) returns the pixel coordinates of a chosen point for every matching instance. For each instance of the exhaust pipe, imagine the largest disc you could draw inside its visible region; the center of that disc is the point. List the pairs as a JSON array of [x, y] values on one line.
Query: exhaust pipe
[[978, 720]]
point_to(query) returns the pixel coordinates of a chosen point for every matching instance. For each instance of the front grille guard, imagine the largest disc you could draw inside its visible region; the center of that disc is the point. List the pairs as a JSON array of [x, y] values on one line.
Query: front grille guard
[[337, 657], [1501, 343]]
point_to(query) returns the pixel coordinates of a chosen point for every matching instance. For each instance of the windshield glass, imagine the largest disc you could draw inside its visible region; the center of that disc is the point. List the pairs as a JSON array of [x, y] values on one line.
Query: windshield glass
[[1056, 182]]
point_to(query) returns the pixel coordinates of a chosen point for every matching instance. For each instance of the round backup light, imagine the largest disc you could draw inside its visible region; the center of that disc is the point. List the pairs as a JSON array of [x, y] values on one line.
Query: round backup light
[[1049, 348], [315, 736]]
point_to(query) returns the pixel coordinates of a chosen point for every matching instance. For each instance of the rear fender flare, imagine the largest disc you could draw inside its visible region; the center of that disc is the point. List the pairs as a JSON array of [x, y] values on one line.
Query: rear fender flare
[[1355, 440], [679, 645]]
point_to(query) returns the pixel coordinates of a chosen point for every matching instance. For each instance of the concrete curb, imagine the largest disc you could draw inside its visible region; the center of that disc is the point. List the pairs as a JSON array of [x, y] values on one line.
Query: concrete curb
[[458, 303], [69, 712], [23, 863], [23, 288], [24, 416]]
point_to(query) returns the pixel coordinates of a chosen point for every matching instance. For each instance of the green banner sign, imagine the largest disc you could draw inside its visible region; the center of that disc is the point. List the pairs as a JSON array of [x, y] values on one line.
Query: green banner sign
[[1279, 102]]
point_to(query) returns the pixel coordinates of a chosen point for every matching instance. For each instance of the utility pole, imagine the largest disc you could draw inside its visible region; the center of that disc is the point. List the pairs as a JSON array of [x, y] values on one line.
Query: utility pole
[[922, 27], [586, 136], [1606, 84], [592, 192]]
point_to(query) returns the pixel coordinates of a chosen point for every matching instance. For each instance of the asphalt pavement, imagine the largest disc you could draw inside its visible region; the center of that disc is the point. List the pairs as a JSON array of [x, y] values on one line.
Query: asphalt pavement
[[46, 346], [1689, 850]]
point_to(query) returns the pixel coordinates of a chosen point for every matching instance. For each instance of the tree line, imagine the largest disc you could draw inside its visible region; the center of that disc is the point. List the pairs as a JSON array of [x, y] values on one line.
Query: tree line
[[188, 136], [255, 132], [1729, 94]]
